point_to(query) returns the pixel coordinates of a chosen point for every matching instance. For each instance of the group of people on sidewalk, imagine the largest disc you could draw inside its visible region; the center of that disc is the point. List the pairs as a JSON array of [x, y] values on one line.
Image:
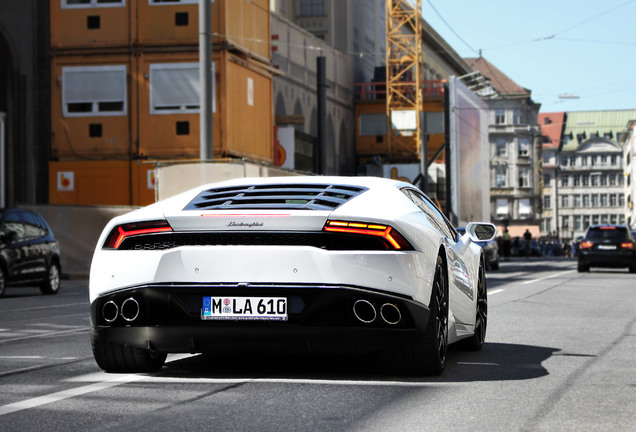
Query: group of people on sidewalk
[[507, 244], [526, 246]]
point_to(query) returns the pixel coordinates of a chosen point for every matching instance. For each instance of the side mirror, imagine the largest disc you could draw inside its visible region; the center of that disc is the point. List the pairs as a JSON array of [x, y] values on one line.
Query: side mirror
[[481, 231]]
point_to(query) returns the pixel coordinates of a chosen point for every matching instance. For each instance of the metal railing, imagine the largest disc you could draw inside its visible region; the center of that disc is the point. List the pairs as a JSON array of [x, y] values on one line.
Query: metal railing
[[377, 90]]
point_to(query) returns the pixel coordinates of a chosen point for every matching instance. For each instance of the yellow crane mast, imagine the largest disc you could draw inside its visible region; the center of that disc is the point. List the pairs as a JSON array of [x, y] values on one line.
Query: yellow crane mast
[[404, 78]]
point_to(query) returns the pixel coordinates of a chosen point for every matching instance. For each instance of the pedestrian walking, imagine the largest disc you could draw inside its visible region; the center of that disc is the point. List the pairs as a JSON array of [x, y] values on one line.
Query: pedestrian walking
[[527, 237], [507, 244]]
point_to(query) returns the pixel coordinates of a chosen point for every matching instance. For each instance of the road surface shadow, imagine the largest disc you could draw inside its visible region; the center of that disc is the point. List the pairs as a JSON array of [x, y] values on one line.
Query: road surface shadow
[[496, 362]]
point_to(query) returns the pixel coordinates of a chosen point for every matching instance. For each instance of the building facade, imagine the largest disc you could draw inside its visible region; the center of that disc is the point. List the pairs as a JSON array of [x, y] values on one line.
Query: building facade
[[552, 126], [349, 37], [515, 151], [24, 102], [629, 153], [588, 181]]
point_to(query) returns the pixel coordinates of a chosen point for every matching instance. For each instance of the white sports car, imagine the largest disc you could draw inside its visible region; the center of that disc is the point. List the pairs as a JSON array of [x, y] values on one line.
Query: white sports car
[[320, 264]]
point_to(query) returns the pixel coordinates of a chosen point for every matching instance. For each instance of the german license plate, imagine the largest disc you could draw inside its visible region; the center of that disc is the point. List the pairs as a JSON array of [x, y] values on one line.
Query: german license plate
[[607, 247], [244, 308]]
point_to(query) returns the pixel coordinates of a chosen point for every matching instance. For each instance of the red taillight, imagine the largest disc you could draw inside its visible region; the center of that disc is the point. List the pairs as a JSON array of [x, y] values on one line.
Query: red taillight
[[121, 232], [392, 238], [627, 245], [586, 244]]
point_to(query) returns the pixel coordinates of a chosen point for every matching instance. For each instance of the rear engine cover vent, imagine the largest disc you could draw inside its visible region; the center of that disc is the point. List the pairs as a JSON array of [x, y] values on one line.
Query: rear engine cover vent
[[276, 196]]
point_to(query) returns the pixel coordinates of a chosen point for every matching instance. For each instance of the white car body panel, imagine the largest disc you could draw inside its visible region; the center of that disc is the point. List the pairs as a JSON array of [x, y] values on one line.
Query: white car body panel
[[409, 273], [405, 274]]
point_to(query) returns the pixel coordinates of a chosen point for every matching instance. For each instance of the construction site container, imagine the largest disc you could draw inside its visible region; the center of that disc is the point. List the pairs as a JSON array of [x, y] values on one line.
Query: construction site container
[[236, 24], [115, 106], [92, 107], [90, 183], [241, 25], [102, 183], [169, 106], [242, 121], [247, 120], [93, 24]]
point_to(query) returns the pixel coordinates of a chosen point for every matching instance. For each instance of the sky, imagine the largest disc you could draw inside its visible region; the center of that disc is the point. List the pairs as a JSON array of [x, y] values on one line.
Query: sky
[[584, 50]]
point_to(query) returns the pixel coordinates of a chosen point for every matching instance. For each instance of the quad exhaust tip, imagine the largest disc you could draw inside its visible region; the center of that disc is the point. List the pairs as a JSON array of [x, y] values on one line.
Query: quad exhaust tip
[[110, 311], [366, 312], [129, 310], [390, 313]]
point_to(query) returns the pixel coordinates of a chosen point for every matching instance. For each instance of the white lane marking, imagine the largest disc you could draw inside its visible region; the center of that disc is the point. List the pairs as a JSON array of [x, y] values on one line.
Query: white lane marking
[[500, 275], [128, 378], [546, 277], [478, 364], [38, 320], [36, 357], [46, 307], [40, 335], [59, 362], [495, 291], [67, 394]]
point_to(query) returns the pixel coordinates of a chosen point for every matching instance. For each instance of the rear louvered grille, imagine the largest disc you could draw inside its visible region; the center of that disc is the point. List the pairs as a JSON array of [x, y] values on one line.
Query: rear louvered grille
[[328, 241], [274, 197]]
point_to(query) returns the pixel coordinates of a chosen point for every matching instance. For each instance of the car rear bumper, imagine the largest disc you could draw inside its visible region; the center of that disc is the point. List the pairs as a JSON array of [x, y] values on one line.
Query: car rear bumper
[[321, 319], [404, 273], [607, 258]]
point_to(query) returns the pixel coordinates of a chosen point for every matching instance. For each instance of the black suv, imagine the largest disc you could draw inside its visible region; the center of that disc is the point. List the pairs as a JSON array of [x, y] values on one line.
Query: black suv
[[607, 246], [29, 254]]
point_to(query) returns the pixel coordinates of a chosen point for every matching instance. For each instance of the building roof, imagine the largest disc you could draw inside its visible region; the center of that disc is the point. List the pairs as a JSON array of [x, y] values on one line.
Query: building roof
[[609, 124], [552, 125], [500, 81]]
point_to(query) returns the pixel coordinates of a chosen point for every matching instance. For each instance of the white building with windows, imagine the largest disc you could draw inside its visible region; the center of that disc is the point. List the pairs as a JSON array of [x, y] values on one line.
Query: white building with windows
[[591, 172], [515, 151], [629, 153]]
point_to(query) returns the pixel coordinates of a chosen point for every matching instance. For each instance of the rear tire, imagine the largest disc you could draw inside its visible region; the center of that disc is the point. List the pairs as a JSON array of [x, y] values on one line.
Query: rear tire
[[51, 285], [427, 356], [582, 268], [477, 340], [118, 358], [3, 282]]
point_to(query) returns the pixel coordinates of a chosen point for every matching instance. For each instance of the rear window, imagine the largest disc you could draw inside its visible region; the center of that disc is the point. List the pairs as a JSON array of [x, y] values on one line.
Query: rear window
[[275, 196], [607, 233]]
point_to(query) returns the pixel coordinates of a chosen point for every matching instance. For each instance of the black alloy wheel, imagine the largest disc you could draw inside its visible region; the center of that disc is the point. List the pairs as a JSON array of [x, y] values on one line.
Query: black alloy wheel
[[3, 282], [477, 340], [51, 285], [427, 356], [440, 319]]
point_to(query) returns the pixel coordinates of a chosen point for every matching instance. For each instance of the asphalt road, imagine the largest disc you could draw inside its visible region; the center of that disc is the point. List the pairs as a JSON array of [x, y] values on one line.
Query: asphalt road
[[559, 356]]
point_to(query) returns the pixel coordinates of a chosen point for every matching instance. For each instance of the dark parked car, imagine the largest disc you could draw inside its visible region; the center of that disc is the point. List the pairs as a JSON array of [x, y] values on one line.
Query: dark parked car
[[491, 251], [29, 253], [607, 246]]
